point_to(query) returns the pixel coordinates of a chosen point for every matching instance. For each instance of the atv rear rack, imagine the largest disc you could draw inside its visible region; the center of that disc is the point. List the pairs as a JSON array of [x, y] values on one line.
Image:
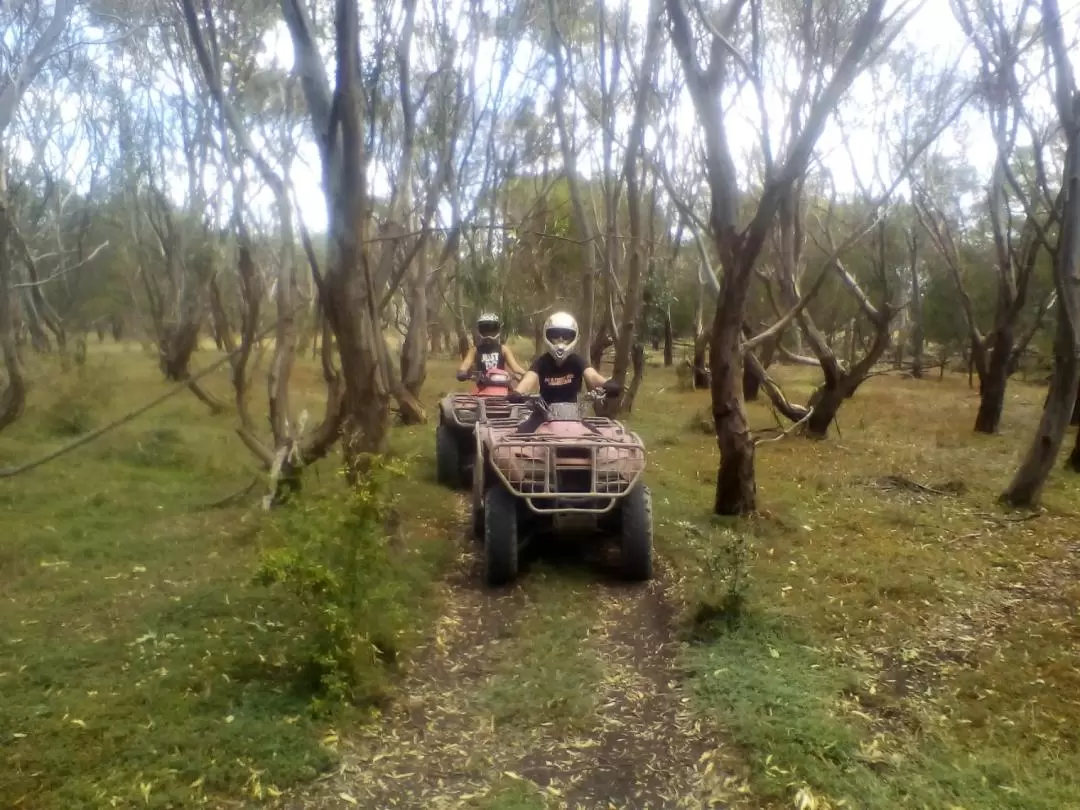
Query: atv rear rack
[[555, 474]]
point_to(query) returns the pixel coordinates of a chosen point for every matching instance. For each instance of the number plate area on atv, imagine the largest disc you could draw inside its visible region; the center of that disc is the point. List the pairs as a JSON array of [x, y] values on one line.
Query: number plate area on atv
[[557, 474]]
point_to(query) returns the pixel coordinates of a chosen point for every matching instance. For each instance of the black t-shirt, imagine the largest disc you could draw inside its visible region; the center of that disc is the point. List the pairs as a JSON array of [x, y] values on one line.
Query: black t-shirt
[[489, 355], [560, 383]]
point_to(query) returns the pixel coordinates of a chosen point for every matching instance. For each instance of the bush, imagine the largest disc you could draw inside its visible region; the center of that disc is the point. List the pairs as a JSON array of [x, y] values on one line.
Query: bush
[[161, 447], [355, 592], [724, 557], [78, 403]]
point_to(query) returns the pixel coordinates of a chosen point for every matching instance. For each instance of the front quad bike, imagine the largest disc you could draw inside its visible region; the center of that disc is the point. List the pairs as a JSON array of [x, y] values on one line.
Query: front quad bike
[[454, 445], [556, 471]]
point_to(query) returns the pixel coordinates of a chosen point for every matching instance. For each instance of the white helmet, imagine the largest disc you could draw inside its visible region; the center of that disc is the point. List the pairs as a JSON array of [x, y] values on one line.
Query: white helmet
[[560, 335], [488, 326]]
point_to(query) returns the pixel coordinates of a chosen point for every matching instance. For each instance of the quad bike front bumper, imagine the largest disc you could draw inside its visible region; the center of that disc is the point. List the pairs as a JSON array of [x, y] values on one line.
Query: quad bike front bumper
[[568, 475]]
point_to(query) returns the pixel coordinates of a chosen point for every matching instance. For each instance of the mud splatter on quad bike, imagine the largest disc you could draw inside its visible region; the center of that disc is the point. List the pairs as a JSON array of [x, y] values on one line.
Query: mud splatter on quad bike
[[454, 443], [545, 468]]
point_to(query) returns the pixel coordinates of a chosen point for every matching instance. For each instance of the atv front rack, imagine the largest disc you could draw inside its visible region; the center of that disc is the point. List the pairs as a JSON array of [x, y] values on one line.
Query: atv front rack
[[468, 409], [567, 474]]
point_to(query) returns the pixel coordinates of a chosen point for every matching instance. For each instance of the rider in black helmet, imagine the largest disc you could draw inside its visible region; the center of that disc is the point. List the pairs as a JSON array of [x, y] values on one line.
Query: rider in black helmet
[[488, 351]]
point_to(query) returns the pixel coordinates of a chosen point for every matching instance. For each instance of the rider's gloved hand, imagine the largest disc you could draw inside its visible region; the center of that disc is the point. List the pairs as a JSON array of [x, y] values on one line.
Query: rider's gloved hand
[[612, 388], [462, 376], [515, 397]]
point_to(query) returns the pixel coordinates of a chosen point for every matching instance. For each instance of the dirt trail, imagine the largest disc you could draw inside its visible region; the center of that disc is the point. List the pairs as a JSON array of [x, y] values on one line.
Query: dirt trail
[[618, 735]]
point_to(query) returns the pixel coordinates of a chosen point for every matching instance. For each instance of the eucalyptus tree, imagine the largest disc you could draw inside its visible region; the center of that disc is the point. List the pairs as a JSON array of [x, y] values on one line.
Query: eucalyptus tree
[[29, 43], [1003, 42], [865, 34], [1030, 478]]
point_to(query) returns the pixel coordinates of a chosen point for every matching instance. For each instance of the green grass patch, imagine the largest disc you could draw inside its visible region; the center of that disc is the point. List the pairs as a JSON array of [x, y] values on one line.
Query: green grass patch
[[141, 664], [509, 793], [926, 653], [798, 717]]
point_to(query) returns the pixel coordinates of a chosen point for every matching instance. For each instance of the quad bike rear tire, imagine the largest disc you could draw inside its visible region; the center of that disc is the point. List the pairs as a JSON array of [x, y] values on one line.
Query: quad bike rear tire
[[636, 534], [500, 536], [447, 457]]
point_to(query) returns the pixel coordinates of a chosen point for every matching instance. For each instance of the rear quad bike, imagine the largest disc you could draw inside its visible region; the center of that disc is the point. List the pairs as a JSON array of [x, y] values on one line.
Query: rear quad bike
[[553, 472], [454, 443]]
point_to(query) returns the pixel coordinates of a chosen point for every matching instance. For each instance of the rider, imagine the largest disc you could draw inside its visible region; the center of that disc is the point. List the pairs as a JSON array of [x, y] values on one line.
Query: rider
[[559, 372], [488, 352]]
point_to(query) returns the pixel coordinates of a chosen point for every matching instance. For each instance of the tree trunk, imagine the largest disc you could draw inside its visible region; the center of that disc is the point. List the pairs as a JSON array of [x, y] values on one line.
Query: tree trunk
[[637, 364], [915, 307], [1027, 484], [669, 340], [435, 337], [599, 345], [751, 384], [826, 403], [736, 488], [993, 383], [701, 367], [414, 347], [13, 397]]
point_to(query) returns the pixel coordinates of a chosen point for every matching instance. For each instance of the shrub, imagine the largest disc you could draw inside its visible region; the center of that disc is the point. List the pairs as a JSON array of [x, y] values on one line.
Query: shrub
[[724, 557], [161, 447], [79, 402], [355, 592]]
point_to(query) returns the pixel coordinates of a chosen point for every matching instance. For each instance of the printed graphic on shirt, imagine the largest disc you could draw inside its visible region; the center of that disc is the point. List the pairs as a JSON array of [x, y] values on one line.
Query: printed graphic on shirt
[[566, 379], [489, 360]]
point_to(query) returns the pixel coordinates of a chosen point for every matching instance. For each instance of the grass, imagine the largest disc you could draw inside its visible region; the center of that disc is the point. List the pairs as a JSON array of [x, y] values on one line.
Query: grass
[[901, 648], [896, 647], [546, 673], [139, 663]]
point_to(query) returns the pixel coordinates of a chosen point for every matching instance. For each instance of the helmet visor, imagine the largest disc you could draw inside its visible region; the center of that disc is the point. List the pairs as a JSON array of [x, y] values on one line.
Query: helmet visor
[[557, 335], [488, 328]]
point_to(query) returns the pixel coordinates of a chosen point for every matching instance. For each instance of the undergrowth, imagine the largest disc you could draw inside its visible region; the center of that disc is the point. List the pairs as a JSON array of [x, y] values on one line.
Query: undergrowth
[[790, 708], [140, 664], [353, 588]]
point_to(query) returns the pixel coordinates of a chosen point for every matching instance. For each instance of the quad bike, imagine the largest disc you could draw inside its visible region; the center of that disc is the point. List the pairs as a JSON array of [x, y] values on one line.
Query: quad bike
[[569, 473], [454, 444]]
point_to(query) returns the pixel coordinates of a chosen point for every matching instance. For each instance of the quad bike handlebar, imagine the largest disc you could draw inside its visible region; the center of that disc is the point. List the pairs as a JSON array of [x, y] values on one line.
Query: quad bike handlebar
[[537, 402]]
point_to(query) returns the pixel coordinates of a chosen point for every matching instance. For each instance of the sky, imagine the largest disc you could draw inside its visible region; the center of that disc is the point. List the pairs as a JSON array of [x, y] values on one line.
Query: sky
[[933, 29]]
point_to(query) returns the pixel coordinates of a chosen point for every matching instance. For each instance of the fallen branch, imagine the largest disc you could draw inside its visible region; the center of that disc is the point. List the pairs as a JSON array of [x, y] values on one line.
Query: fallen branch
[[231, 498], [782, 434]]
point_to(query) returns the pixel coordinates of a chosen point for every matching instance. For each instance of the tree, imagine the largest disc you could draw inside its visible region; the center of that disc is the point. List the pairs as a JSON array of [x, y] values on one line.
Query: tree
[[740, 248], [1030, 478], [13, 397], [1001, 44]]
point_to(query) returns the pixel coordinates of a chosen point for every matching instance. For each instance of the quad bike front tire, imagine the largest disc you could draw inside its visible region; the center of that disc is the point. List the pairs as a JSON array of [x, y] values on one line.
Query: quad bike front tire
[[447, 457], [636, 534], [500, 536]]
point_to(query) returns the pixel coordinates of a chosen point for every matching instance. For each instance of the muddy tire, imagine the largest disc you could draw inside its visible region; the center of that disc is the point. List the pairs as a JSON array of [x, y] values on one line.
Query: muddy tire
[[447, 457], [500, 536], [636, 534]]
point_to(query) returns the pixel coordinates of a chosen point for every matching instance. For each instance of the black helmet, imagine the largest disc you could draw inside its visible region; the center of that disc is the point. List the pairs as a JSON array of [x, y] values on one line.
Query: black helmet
[[488, 326]]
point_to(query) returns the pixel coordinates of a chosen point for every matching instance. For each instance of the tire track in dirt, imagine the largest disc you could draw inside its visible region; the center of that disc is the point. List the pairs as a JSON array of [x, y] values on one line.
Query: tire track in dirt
[[437, 747]]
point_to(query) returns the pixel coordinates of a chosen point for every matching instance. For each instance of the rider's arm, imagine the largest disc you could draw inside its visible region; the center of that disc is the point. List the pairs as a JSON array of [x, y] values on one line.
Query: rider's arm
[[593, 378], [470, 358], [512, 362], [528, 384]]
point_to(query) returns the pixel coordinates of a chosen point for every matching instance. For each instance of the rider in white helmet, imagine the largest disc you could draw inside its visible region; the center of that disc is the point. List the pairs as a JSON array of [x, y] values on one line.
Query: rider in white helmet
[[488, 351], [559, 372]]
